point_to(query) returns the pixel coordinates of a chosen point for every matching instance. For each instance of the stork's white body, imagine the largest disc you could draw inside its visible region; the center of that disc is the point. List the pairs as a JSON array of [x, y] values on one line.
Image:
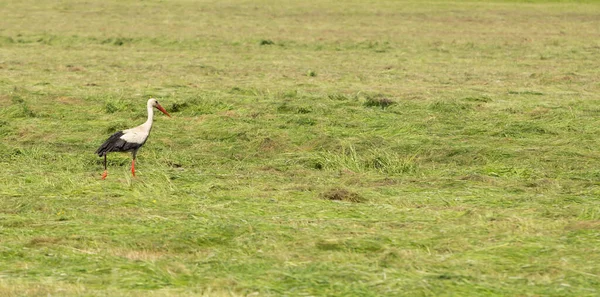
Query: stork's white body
[[140, 133]]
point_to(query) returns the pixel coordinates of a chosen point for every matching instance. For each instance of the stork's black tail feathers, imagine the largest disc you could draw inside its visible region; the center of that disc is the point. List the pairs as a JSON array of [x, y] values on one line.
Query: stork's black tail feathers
[[111, 144]]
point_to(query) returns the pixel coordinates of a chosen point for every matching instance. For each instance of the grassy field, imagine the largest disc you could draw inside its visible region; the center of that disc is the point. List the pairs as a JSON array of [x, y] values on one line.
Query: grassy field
[[328, 148]]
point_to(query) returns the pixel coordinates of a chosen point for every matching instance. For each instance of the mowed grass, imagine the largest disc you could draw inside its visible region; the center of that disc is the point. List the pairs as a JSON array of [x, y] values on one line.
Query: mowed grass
[[335, 148]]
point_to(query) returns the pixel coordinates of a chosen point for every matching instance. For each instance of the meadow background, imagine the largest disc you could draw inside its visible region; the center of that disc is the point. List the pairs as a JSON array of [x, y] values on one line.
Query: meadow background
[[316, 148]]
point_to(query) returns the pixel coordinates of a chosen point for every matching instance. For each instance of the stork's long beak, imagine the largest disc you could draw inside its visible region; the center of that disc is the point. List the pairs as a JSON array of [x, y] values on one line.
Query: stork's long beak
[[163, 110]]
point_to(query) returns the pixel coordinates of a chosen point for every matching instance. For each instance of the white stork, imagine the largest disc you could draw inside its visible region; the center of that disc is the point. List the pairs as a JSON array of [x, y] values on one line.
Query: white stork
[[130, 140]]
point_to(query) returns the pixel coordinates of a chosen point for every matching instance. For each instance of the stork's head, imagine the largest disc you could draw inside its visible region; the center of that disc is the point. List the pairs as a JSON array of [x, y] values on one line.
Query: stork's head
[[154, 103]]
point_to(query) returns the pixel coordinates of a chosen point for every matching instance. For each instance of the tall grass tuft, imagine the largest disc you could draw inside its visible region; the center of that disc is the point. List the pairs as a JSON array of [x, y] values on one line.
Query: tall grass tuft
[[369, 160]]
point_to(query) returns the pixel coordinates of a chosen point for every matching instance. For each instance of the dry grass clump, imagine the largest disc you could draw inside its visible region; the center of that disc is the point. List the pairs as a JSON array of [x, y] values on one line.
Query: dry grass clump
[[339, 194]]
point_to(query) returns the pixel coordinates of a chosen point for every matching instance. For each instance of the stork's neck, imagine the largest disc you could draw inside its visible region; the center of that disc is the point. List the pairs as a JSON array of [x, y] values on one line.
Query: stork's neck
[[148, 123]]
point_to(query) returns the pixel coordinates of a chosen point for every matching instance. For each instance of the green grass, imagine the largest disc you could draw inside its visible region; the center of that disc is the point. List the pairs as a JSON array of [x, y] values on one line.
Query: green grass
[[335, 148]]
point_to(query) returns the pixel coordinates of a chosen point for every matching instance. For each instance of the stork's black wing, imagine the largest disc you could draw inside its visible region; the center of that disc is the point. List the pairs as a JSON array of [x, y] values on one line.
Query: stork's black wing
[[115, 144]]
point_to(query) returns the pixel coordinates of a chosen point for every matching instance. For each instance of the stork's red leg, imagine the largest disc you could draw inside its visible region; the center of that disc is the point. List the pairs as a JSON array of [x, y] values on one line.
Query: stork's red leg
[[133, 155], [105, 173]]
